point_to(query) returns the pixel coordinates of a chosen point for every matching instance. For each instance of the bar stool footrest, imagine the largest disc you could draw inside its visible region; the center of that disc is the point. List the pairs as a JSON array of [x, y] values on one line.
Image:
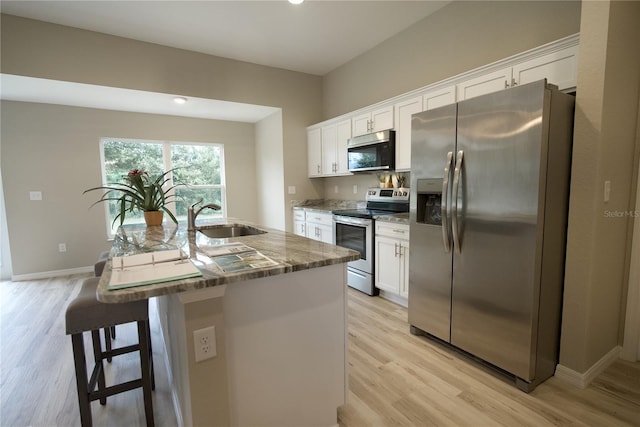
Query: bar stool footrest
[[115, 389]]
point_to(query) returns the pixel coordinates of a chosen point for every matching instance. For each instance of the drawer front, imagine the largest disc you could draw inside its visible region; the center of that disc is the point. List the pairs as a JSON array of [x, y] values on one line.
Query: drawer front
[[320, 218], [398, 231], [298, 215]]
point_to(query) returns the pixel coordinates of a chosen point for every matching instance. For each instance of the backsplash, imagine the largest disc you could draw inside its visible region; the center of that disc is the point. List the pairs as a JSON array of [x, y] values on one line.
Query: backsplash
[[345, 185]]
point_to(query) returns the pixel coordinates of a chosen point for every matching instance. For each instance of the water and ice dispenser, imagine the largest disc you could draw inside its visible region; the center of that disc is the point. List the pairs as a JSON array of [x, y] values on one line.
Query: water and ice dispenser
[[429, 195]]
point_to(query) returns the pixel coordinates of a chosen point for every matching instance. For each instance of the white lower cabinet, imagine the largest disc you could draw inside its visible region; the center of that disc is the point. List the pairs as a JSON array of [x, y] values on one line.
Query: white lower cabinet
[[392, 259], [299, 223], [319, 226]]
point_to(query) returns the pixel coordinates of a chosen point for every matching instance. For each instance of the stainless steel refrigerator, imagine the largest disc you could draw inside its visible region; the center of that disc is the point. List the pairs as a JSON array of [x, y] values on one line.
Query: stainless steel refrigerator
[[488, 215]]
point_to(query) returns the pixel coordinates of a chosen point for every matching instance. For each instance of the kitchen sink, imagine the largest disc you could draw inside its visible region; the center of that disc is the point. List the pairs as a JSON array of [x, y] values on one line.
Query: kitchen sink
[[229, 230]]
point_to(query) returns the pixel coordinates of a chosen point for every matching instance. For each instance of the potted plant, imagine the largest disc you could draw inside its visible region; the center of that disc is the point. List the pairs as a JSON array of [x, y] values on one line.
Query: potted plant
[[139, 192]]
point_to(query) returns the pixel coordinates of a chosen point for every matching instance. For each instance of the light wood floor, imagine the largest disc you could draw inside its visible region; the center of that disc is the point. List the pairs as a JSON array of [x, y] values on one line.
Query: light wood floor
[[399, 379], [395, 378]]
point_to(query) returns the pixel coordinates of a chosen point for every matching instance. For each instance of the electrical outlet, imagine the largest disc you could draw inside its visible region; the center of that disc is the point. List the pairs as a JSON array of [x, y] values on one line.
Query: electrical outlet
[[62, 247], [204, 342], [355, 189], [35, 195]]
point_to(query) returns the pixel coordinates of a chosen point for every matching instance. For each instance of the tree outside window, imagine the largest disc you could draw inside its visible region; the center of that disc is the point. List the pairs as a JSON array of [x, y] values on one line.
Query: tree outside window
[[200, 167]]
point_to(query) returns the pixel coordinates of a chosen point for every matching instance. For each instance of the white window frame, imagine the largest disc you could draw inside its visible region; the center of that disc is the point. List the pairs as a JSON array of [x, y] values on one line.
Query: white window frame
[[167, 165]]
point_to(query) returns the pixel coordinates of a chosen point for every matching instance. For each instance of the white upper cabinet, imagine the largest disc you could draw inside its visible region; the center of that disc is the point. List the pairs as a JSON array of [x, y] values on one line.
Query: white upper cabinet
[[329, 149], [556, 62], [334, 148], [373, 121], [559, 68], [438, 98], [486, 83], [344, 134], [403, 112], [314, 152]]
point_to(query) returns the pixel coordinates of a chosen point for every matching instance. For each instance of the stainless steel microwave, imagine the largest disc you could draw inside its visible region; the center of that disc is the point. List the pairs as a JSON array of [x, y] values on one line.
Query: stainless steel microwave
[[373, 151]]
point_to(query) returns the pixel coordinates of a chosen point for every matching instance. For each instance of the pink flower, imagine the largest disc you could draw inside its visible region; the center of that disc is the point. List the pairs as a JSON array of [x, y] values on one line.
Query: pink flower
[[136, 172]]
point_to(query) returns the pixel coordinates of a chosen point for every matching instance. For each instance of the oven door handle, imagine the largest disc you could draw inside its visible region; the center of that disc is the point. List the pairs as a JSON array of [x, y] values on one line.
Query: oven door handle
[[352, 221]]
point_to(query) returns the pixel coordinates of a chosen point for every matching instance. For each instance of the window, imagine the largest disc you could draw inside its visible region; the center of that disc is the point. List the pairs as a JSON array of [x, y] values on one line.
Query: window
[[198, 171]]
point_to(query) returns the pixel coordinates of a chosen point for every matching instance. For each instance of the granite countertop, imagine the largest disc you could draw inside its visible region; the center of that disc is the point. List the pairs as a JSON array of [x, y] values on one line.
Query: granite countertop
[[327, 206], [399, 218], [291, 252]]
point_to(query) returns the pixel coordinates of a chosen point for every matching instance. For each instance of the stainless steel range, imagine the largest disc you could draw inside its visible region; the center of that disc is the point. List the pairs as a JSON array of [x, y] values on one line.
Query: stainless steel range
[[355, 229]]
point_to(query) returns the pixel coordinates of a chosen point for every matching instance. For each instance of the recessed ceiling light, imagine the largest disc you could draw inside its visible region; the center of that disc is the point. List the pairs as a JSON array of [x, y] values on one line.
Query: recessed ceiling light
[[180, 100], [295, 1]]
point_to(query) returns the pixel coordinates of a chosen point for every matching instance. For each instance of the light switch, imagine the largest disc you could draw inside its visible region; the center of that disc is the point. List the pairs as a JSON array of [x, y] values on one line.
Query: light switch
[[607, 190], [35, 195]]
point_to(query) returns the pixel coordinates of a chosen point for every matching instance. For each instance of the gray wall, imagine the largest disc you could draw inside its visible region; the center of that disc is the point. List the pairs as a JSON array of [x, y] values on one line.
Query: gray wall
[[55, 149], [605, 148], [459, 37], [39, 49]]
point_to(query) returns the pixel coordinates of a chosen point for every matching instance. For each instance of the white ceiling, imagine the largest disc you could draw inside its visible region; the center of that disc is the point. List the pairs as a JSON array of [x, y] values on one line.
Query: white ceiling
[[314, 37], [29, 89]]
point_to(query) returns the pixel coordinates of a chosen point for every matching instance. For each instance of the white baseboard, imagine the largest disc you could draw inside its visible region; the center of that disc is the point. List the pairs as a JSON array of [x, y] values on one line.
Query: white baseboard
[[49, 274], [583, 380], [394, 298]]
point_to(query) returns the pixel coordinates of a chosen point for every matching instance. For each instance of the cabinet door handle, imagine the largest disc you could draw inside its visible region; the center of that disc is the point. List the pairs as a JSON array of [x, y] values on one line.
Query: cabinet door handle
[[513, 82], [506, 84], [318, 168], [395, 245]]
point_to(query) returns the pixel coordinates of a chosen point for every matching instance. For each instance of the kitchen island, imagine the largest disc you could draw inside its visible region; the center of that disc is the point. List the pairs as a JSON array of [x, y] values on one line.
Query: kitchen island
[[280, 331]]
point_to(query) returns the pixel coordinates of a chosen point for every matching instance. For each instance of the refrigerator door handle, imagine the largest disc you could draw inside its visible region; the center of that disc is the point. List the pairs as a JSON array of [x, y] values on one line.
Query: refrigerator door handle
[[454, 201], [444, 203]]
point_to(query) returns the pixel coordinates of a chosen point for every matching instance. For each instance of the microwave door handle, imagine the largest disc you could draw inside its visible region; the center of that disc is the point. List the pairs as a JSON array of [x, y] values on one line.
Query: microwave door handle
[[444, 203], [454, 202]]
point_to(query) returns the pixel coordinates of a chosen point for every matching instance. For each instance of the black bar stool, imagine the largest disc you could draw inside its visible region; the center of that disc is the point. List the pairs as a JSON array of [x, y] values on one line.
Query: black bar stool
[[98, 268], [86, 313]]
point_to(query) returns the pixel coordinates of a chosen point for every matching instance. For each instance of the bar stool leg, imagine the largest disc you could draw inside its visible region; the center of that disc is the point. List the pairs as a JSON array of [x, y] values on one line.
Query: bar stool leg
[[153, 377], [81, 379], [143, 337], [107, 342], [97, 356]]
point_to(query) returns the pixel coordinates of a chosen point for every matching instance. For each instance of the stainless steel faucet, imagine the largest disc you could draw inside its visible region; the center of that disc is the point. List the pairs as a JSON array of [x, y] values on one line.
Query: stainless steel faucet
[[193, 214]]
